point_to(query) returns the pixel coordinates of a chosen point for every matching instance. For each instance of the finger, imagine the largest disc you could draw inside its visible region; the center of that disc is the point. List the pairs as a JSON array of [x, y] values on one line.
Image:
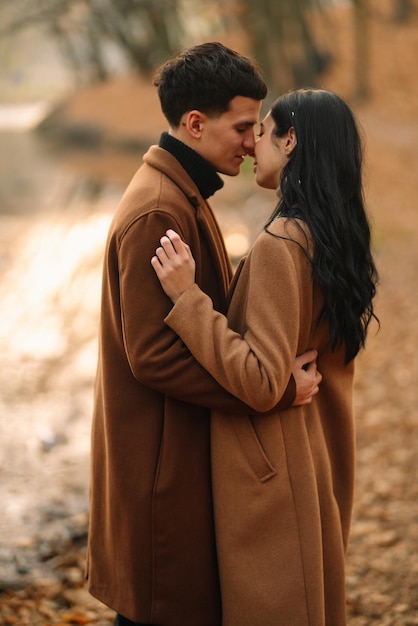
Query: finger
[[307, 357], [167, 246], [180, 246], [310, 367], [156, 264], [306, 401], [176, 249], [176, 241], [161, 254], [173, 235]]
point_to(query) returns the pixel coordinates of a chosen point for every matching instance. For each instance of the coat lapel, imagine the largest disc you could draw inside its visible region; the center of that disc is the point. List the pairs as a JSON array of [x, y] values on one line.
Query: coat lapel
[[210, 226]]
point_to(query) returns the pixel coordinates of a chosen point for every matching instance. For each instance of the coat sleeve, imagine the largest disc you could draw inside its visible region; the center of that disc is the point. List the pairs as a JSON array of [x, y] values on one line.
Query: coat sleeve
[[278, 298], [156, 355]]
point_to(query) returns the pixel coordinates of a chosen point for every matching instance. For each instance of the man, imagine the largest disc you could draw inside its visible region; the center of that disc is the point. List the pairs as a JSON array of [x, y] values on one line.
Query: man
[[152, 555]]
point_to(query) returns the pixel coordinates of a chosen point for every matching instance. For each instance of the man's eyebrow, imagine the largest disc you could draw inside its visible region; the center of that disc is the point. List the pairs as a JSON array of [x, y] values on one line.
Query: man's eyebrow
[[246, 123]]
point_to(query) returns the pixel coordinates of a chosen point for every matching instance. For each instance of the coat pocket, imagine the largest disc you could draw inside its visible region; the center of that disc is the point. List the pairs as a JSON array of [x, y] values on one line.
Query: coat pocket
[[252, 449]]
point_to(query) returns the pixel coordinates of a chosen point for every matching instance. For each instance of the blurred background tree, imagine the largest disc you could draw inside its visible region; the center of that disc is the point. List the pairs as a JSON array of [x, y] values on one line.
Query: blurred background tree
[[362, 49], [403, 10], [98, 38], [90, 34], [292, 40], [281, 38]]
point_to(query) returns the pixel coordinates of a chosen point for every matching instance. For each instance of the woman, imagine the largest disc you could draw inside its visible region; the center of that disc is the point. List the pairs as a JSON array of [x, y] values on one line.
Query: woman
[[283, 482]]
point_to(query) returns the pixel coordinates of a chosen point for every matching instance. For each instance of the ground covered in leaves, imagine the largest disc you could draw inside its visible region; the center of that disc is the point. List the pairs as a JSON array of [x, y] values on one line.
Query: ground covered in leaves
[[47, 376]]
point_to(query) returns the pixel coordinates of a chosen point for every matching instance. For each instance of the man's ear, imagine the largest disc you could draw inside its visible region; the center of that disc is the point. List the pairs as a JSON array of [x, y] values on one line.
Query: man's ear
[[193, 122]]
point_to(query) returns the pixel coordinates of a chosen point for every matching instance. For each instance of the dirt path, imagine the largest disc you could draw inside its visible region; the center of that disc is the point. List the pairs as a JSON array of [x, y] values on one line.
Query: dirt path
[[382, 563]]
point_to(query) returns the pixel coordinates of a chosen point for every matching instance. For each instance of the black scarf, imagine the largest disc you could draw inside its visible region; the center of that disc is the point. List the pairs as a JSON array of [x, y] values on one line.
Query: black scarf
[[203, 174]]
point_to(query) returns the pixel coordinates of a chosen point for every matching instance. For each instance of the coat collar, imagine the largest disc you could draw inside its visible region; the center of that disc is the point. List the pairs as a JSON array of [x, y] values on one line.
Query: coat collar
[[169, 165], [203, 174]]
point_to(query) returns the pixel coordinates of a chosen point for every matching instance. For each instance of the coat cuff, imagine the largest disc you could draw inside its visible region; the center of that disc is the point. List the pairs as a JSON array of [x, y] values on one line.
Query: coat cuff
[[289, 395]]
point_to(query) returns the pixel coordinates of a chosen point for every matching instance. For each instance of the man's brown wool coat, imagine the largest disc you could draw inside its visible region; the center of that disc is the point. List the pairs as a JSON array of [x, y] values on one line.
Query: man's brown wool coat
[[151, 552], [282, 483]]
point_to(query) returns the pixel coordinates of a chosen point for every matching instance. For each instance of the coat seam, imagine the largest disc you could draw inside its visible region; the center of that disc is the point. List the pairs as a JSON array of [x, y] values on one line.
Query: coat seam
[[299, 535], [154, 531]]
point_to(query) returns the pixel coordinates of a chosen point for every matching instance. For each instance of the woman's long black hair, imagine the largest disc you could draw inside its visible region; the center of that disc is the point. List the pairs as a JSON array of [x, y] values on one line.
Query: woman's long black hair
[[322, 185]]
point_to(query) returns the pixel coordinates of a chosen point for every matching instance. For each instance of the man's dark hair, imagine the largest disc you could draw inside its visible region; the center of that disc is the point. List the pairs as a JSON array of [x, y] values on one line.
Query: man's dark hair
[[206, 77]]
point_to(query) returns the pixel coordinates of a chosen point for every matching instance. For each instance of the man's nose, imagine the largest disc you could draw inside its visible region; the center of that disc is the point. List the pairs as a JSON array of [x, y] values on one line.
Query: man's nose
[[249, 143]]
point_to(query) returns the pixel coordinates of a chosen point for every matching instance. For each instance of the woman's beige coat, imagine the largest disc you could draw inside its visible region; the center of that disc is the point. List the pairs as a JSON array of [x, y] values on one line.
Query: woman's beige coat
[[151, 552], [283, 483]]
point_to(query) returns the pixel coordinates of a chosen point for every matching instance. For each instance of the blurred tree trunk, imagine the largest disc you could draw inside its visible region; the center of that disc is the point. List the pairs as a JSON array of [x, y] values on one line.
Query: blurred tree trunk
[[362, 90], [99, 71], [403, 10], [146, 31], [262, 18], [309, 66], [69, 53], [281, 40]]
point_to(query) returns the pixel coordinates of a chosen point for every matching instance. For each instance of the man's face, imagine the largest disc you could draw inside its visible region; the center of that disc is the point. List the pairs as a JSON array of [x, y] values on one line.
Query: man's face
[[225, 140]]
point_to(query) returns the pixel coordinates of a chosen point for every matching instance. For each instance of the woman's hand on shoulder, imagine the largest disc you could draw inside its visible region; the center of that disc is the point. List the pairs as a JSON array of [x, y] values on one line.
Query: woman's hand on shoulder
[[174, 265]]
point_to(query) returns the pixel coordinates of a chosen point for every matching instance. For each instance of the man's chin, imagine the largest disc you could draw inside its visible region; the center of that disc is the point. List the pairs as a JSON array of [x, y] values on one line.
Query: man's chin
[[233, 171]]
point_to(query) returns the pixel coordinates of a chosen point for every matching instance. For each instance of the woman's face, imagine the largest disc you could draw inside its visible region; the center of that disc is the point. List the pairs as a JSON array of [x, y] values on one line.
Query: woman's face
[[270, 155]]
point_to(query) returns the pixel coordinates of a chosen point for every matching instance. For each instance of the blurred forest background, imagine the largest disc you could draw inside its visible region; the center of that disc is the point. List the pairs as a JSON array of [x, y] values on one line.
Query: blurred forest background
[[77, 111]]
